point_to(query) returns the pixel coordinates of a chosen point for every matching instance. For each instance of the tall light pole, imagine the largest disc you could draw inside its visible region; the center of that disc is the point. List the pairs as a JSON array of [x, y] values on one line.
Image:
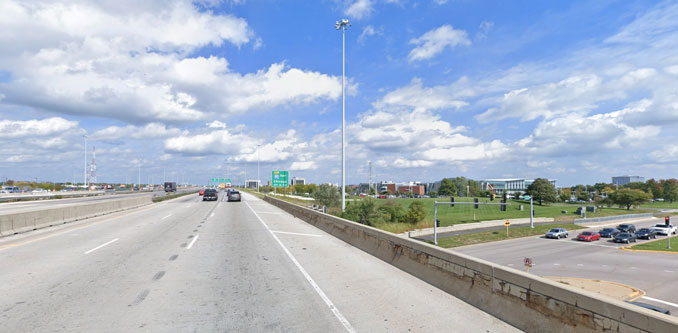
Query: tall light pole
[[343, 25], [258, 179], [85, 180]]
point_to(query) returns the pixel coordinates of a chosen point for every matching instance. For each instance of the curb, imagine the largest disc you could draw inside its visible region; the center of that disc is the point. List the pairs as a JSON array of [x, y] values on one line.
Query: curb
[[647, 251], [632, 296]]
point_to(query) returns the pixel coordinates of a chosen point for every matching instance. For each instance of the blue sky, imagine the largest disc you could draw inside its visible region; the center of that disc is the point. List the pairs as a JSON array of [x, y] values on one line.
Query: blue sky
[[577, 91]]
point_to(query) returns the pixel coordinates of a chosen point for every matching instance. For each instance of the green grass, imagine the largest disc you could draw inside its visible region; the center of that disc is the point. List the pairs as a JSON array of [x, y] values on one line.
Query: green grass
[[497, 235], [172, 196], [658, 245], [660, 204], [466, 213]]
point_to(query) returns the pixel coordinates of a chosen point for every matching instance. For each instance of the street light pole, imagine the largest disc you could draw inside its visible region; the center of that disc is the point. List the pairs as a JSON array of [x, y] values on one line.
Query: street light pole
[[258, 156], [343, 25], [85, 178]]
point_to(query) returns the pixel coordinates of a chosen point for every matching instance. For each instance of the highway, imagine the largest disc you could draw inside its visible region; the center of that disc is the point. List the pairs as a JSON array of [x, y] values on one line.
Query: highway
[[188, 265], [655, 273], [31, 205]]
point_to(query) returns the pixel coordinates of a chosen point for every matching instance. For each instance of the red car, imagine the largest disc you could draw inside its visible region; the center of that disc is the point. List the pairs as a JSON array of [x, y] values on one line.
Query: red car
[[202, 192], [588, 236]]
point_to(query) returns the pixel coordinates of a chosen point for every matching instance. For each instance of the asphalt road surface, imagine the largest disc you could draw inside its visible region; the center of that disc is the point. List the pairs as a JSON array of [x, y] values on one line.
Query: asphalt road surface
[[655, 273], [188, 265]]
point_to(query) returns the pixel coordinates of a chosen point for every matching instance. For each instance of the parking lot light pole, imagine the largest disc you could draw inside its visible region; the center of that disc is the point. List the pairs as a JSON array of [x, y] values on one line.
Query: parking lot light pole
[[343, 25], [85, 179]]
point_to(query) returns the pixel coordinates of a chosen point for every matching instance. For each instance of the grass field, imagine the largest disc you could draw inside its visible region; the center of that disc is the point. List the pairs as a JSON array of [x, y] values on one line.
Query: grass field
[[660, 204], [658, 245], [466, 213], [497, 235]]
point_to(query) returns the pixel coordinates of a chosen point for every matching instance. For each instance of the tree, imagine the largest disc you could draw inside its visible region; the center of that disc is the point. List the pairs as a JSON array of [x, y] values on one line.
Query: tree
[[310, 188], [393, 211], [542, 190], [565, 194], [327, 195], [460, 183], [363, 211], [655, 188], [416, 212], [670, 188], [629, 197], [447, 188], [473, 187]]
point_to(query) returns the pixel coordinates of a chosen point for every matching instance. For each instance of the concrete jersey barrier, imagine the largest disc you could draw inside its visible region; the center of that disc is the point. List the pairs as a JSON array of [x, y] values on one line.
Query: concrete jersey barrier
[[14, 223], [526, 301]]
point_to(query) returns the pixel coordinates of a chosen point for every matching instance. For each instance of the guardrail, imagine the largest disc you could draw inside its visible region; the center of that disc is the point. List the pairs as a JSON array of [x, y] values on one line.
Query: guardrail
[[526, 301], [612, 218]]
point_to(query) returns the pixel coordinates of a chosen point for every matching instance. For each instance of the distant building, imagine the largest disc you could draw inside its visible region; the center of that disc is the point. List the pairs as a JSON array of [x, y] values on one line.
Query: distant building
[[508, 185], [414, 189], [623, 180], [251, 183], [298, 181]]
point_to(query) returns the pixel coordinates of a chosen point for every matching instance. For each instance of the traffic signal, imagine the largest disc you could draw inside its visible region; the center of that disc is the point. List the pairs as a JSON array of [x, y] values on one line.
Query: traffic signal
[[437, 223], [667, 220], [452, 201], [505, 196], [476, 201], [503, 205]]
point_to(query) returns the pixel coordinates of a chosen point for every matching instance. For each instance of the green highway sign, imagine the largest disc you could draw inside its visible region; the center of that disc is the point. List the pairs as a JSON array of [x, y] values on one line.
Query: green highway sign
[[279, 178], [221, 180], [527, 197]]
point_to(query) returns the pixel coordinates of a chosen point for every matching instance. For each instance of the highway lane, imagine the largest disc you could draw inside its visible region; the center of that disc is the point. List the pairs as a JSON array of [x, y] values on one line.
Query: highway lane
[[655, 273], [187, 265]]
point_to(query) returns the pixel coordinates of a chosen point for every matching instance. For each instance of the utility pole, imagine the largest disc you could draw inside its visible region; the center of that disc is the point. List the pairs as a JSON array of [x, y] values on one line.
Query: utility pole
[[343, 25]]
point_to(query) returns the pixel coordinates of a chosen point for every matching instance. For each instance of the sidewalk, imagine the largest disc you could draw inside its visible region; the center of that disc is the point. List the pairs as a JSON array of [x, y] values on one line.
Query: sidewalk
[[475, 225]]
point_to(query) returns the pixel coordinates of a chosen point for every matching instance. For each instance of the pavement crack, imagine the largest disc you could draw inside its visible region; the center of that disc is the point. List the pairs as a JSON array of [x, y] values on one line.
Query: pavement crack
[[173, 257]]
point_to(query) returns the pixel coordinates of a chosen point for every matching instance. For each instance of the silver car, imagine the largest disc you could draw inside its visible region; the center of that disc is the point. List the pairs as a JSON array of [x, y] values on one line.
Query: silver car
[[557, 233]]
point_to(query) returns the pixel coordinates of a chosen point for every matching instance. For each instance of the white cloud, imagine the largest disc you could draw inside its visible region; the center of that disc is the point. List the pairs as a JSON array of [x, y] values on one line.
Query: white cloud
[[32, 128], [216, 124], [668, 153], [359, 9], [483, 29], [369, 31], [418, 97], [435, 41], [306, 165], [148, 131]]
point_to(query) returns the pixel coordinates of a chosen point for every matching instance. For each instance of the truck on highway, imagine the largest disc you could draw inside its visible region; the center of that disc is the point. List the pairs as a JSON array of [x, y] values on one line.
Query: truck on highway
[[170, 187]]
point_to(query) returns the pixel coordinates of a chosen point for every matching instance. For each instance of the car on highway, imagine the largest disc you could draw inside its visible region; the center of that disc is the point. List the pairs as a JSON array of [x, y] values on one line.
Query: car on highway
[[646, 233], [210, 195], [202, 192], [557, 233], [608, 232], [663, 229], [588, 236], [651, 307], [630, 228], [234, 196], [625, 237]]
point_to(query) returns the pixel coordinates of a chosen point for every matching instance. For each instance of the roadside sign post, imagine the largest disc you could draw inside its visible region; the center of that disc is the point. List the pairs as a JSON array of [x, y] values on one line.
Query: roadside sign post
[[507, 224], [531, 210], [279, 179]]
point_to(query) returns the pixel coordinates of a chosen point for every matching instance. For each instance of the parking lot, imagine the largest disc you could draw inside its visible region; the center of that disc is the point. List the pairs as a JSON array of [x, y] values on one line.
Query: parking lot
[[655, 273]]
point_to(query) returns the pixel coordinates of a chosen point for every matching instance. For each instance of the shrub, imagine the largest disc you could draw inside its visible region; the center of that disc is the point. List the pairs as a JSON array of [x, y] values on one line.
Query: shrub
[[415, 213]]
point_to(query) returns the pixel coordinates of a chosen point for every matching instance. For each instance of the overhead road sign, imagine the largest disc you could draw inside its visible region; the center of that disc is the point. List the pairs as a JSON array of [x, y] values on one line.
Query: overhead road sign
[[279, 178]]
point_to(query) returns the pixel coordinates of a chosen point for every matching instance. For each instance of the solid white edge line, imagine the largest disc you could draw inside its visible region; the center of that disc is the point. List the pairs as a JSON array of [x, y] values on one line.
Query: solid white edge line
[[660, 301], [166, 216], [296, 233], [310, 280], [100, 246], [193, 241], [212, 215]]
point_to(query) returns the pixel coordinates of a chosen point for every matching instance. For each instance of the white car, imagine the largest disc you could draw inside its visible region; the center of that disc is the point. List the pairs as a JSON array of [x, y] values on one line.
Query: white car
[[663, 229]]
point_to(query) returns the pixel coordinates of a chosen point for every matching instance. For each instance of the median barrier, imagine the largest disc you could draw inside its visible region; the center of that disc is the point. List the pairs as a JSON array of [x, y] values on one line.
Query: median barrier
[[26, 221], [526, 301]]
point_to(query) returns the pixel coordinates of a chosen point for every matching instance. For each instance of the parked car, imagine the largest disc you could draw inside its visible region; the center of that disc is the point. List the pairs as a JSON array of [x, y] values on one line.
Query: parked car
[[608, 232], [557, 233], [210, 195], [234, 196], [588, 236], [627, 228], [664, 229], [625, 237], [646, 233], [651, 307]]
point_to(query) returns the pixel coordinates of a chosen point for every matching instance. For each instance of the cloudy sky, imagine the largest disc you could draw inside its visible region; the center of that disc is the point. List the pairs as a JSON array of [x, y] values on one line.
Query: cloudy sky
[[577, 91]]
